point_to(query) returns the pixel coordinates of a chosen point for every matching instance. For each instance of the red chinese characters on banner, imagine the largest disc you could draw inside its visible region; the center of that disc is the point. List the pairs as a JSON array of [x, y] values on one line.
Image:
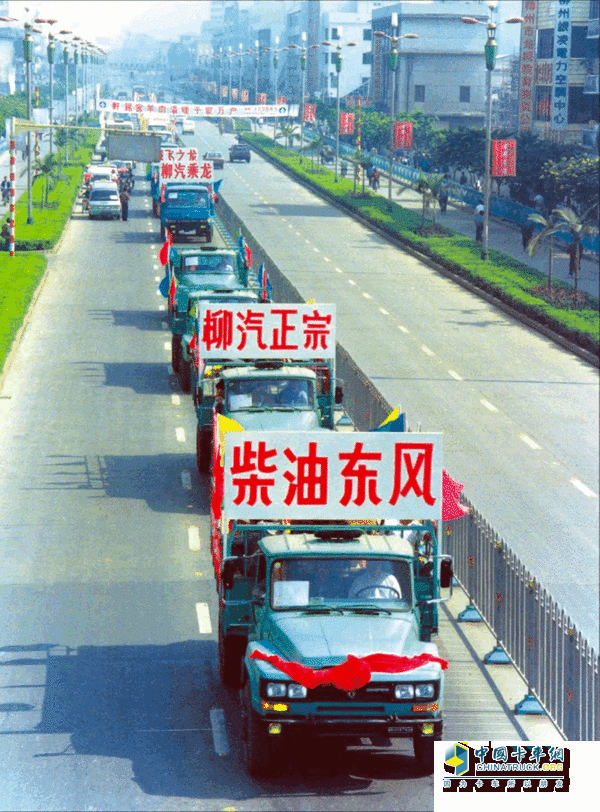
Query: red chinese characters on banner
[[526, 75], [261, 98], [346, 123], [234, 93], [310, 113], [504, 158], [281, 99], [403, 135], [294, 332], [183, 164], [245, 95], [345, 476]]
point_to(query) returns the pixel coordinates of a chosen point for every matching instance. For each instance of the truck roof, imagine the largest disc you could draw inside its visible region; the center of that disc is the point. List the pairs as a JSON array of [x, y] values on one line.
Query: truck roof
[[274, 371], [366, 545]]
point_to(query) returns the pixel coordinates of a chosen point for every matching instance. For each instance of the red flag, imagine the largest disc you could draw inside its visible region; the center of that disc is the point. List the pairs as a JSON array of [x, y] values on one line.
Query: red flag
[[163, 256], [248, 255], [172, 291], [451, 490], [351, 675]]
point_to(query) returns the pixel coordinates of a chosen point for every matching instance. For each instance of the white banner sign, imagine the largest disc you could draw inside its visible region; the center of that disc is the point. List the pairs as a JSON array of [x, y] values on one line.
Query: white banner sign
[[197, 110], [294, 332], [329, 475], [184, 164]]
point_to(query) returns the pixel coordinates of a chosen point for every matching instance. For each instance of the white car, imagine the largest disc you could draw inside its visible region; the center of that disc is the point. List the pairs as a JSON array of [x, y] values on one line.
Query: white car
[[188, 126]]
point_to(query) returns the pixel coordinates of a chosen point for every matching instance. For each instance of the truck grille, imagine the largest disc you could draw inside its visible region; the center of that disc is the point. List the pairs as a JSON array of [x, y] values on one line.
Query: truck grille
[[359, 710], [373, 692]]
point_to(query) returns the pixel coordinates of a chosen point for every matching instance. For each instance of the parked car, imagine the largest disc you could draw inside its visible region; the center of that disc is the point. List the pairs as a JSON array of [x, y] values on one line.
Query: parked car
[[217, 158], [104, 201], [188, 126], [239, 152]]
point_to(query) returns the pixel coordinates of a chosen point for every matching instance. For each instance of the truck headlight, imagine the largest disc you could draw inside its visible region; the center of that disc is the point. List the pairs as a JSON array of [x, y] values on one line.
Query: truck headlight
[[425, 690], [276, 689], [296, 691], [404, 691]]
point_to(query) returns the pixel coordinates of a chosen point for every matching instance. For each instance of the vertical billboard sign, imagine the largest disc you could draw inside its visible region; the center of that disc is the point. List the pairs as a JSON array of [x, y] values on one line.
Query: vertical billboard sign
[[504, 158], [526, 73], [559, 106]]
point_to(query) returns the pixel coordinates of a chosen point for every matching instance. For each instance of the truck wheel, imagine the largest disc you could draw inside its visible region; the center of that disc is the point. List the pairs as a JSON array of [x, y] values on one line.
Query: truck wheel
[[176, 353], [185, 377], [423, 750], [231, 654], [203, 450], [257, 746]]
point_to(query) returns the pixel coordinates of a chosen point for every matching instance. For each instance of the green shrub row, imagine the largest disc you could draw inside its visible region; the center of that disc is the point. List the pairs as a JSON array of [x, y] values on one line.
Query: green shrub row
[[505, 278]]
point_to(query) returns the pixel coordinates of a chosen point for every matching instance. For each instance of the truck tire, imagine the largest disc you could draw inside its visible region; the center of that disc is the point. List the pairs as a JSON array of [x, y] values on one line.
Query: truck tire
[[423, 750], [258, 749], [231, 655], [185, 377], [176, 353], [203, 450]]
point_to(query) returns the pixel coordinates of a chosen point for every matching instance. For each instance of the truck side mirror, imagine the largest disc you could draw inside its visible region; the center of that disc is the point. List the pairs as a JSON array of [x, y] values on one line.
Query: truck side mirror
[[446, 572], [339, 395]]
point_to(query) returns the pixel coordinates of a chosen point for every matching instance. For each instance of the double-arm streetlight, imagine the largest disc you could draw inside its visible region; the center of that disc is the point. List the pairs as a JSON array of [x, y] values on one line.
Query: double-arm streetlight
[[337, 57], [65, 33], [276, 51], [393, 66], [490, 50]]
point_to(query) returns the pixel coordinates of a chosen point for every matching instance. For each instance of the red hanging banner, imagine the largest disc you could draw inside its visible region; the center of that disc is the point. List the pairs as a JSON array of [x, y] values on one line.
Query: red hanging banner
[[245, 95], [403, 135], [261, 98], [310, 113], [504, 158], [346, 123]]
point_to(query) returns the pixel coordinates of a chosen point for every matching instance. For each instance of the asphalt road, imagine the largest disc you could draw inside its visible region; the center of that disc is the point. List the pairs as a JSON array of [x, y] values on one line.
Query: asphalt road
[[110, 695], [519, 414]]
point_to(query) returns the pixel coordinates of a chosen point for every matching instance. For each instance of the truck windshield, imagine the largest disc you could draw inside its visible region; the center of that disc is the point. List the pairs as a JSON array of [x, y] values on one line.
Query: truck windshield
[[340, 583], [214, 264], [270, 393], [188, 197]]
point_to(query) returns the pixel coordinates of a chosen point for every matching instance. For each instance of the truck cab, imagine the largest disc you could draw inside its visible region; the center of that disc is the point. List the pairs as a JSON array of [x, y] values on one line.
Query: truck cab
[[186, 207], [304, 596]]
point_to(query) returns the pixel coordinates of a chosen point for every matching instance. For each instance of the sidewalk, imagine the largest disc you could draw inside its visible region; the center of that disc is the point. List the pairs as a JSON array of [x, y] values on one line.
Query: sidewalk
[[503, 236]]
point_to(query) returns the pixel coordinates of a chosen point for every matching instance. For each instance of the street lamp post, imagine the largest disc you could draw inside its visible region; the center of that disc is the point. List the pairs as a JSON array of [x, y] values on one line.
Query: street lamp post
[[64, 32], [275, 50], [51, 52], [241, 56], [338, 69], [490, 50], [303, 71], [229, 55], [393, 65], [28, 56], [256, 55]]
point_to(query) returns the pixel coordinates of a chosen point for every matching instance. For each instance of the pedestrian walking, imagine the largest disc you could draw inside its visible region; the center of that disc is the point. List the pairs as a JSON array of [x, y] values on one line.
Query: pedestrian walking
[[375, 179], [574, 249], [124, 197], [443, 199], [5, 234], [526, 233], [5, 188], [478, 220], [463, 179]]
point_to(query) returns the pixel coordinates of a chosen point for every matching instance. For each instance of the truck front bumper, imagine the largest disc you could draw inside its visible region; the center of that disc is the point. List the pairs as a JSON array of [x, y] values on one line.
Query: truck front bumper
[[393, 727]]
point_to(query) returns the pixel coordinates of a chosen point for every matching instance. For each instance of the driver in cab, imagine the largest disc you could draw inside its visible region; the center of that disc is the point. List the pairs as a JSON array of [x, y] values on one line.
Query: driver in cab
[[376, 582]]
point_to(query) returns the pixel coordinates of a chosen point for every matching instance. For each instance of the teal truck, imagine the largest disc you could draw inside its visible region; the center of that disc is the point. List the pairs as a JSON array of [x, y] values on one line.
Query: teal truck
[[326, 626], [253, 375], [186, 206]]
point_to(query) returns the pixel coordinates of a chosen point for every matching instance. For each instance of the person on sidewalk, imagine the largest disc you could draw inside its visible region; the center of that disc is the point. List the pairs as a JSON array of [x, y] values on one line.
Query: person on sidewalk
[[526, 233], [478, 220], [124, 197], [443, 199], [5, 188], [5, 234]]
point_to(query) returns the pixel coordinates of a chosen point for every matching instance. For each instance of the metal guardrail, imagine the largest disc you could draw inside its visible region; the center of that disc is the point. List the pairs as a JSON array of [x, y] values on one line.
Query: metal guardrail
[[560, 667]]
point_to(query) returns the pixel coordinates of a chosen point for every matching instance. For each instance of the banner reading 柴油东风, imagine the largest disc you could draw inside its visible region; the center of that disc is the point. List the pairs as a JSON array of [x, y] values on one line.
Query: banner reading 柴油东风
[[198, 110]]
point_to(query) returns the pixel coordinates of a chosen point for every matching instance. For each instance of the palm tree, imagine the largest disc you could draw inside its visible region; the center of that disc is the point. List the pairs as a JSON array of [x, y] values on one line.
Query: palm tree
[[315, 146], [430, 187], [288, 131], [549, 228], [45, 168], [579, 227]]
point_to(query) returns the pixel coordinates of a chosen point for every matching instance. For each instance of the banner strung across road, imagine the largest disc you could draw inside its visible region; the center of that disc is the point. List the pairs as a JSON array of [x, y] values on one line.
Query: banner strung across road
[[198, 110], [341, 476], [295, 332]]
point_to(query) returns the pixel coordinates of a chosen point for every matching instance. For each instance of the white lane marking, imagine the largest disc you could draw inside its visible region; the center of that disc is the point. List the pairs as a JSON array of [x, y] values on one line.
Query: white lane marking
[[316, 250], [367, 295], [339, 270], [175, 400], [203, 616], [297, 232], [167, 345], [326, 259], [155, 267], [384, 311], [194, 538], [528, 441], [488, 405], [351, 282], [426, 350], [583, 488], [186, 480], [158, 293], [307, 241], [157, 278], [180, 434], [289, 225], [455, 375], [283, 220], [162, 307], [217, 721], [404, 330]]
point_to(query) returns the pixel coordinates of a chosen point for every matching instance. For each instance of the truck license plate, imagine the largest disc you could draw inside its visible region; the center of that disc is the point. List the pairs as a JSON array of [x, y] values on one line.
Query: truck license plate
[[400, 731]]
